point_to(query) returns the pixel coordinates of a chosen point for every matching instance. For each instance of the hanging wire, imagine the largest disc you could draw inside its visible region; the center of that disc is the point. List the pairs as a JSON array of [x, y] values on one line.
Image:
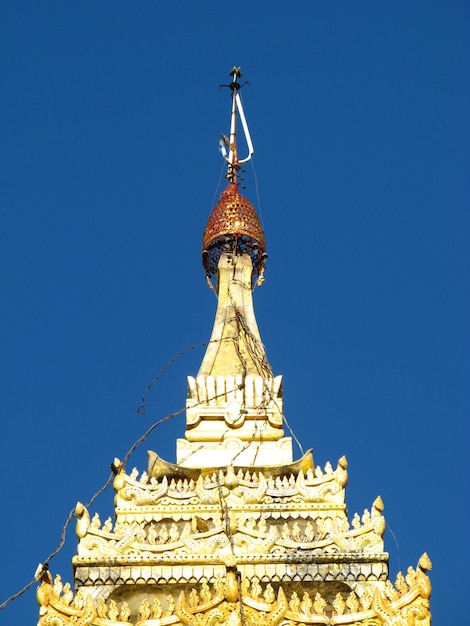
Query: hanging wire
[[18, 594], [257, 193], [398, 548], [261, 361], [228, 529], [295, 438], [218, 185], [44, 566], [259, 357], [156, 378]]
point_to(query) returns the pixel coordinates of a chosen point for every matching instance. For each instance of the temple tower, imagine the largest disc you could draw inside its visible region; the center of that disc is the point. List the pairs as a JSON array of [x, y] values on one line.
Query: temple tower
[[235, 533]]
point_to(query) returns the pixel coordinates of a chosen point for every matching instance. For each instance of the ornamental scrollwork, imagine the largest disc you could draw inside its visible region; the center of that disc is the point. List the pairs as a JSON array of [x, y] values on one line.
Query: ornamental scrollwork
[[237, 485], [404, 604]]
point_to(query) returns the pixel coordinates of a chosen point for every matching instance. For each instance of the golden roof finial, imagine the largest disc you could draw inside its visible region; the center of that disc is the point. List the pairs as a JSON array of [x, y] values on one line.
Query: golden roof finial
[[233, 224]]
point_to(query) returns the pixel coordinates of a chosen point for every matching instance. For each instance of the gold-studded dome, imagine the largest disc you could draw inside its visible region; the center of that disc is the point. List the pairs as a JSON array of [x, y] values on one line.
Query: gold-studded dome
[[234, 226]]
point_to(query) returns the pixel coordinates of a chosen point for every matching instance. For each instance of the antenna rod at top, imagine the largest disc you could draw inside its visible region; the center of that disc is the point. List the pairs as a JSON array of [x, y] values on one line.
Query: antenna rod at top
[[228, 145]]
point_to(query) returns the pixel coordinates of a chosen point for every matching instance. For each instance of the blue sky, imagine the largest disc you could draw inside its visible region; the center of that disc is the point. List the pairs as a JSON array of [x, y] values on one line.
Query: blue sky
[[109, 121]]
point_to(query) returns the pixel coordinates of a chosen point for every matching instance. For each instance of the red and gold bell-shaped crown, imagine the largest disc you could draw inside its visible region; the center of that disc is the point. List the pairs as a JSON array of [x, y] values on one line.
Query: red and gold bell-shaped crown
[[233, 226]]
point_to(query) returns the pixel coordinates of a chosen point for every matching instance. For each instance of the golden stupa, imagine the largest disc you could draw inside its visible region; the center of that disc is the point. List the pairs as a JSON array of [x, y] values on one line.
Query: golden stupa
[[236, 533]]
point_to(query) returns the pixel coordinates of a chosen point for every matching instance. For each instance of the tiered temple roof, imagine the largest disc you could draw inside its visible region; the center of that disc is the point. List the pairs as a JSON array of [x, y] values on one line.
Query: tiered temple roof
[[235, 533]]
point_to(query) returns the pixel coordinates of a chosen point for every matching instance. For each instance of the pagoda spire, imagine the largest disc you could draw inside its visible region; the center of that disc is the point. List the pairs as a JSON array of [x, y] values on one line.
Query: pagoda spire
[[235, 401], [234, 533]]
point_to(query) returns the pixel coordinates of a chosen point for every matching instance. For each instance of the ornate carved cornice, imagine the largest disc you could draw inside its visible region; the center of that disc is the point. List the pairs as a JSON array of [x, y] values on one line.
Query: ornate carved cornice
[[234, 601], [295, 483], [204, 533], [185, 524]]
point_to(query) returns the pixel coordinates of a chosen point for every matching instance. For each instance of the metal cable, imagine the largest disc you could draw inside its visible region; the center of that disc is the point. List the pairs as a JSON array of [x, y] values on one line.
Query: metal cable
[[262, 365]]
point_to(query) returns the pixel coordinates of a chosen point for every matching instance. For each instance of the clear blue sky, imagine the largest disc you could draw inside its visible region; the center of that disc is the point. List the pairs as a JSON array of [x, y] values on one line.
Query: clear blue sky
[[110, 117]]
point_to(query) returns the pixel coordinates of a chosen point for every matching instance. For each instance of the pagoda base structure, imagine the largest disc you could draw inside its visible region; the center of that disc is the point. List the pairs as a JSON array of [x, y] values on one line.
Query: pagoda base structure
[[234, 546]]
